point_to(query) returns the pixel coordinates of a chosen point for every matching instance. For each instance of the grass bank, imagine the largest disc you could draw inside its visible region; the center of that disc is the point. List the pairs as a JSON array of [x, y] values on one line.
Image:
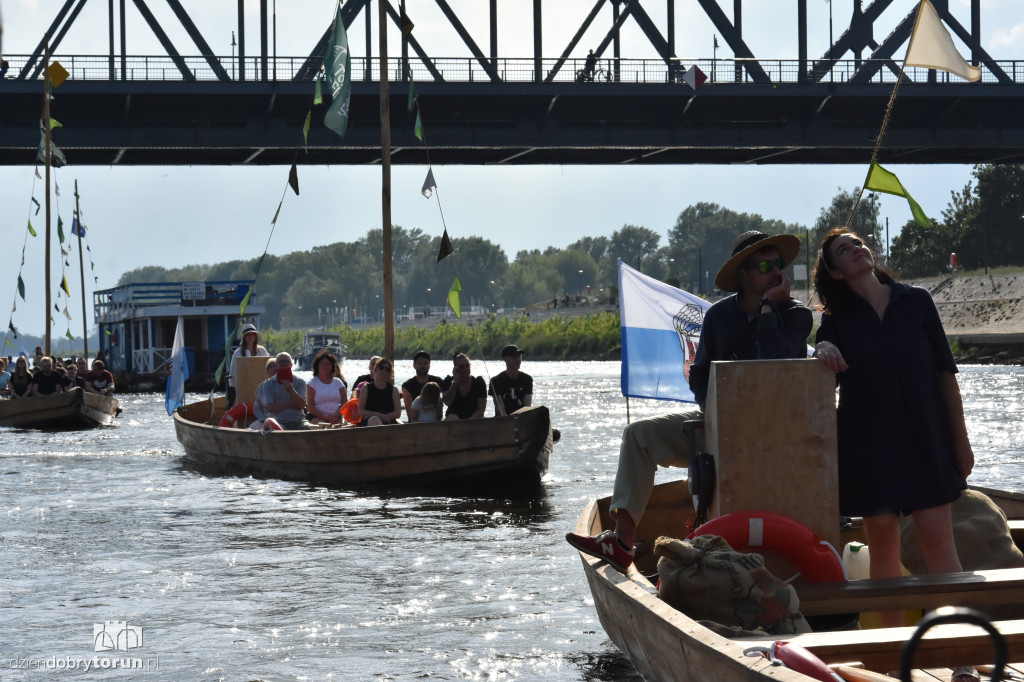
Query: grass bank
[[583, 337]]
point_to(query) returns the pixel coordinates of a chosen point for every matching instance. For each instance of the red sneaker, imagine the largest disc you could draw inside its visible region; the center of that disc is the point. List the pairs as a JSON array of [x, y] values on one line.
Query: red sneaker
[[604, 546]]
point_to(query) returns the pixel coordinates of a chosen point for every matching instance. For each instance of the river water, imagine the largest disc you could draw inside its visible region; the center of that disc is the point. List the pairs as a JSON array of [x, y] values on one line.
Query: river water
[[238, 578]]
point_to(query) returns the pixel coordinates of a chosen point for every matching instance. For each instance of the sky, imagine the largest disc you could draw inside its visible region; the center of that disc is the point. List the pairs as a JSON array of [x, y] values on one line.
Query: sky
[[179, 215]]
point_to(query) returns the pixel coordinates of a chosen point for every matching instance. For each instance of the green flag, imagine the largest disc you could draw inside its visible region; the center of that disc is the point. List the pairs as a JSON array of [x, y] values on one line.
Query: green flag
[[21, 287], [31, 230], [60, 229], [418, 130], [37, 205], [337, 64], [453, 298], [305, 128], [69, 335], [881, 180], [245, 302], [318, 95]]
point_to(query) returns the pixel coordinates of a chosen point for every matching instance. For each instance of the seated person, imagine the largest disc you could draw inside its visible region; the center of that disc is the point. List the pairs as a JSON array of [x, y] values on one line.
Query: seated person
[[411, 388], [99, 379], [325, 393], [511, 389], [426, 407], [283, 396], [46, 381], [21, 379], [464, 394], [379, 402], [5, 378], [368, 378], [72, 380], [259, 414]]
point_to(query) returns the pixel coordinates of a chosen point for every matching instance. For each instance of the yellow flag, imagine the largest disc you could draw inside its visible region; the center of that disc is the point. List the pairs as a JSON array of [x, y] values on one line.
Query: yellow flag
[[453, 298], [58, 74], [64, 285]]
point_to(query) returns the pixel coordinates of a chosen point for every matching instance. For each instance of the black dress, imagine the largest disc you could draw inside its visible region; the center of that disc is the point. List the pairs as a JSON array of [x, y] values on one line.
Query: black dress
[[895, 443]]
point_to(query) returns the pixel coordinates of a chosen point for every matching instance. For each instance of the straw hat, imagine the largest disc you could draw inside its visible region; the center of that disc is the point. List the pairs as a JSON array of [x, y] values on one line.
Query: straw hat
[[748, 243]]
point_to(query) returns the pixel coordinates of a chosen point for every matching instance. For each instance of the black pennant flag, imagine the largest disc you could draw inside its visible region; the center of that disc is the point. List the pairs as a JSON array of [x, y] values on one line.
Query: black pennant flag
[[293, 179], [446, 247]]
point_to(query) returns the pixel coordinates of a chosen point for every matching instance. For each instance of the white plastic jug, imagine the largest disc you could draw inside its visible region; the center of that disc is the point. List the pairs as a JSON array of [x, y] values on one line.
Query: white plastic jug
[[857, 560]]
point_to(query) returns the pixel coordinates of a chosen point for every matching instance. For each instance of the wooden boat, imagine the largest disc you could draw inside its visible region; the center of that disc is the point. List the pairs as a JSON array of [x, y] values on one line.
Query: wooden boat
[[313, 343], [69, 410], [665, 644], [502, 450]]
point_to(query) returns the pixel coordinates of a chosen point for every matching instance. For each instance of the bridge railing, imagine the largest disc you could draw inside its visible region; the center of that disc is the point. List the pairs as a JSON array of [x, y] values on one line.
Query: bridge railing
[[470, 70]]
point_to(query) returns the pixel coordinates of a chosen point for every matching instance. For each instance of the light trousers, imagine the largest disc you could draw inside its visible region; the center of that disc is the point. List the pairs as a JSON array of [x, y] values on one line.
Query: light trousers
[[646, 445]]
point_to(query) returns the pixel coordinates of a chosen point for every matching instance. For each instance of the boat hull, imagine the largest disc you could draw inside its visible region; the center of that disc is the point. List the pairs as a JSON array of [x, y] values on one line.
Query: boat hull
[[74, 409], [665, 644], [506, 449]]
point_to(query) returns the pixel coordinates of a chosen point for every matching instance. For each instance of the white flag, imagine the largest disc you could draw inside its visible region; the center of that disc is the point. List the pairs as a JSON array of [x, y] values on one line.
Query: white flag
[[661, 328], [932, 47], [175, 397]]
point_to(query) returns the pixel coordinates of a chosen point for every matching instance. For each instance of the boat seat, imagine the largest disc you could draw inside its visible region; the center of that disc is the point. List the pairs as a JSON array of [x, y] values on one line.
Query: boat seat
[[943, 646], [1016, 531], [975, 589]]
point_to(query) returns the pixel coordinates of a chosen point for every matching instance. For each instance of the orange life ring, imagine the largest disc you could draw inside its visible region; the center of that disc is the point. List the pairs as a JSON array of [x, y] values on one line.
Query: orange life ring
[[235, 413], [747, 531]]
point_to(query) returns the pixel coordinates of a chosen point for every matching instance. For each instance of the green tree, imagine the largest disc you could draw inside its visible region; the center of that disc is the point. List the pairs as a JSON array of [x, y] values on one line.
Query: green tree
[[995, 235], [865, 222], [921, 251], [701, 241], [636, 246]]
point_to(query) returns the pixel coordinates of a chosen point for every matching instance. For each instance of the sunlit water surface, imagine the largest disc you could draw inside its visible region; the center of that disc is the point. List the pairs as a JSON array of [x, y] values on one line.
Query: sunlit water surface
[[242, 579]]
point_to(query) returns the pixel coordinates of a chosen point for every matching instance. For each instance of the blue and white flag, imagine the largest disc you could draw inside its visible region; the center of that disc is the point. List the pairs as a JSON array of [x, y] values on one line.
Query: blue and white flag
[[179, 370], [661, 328]]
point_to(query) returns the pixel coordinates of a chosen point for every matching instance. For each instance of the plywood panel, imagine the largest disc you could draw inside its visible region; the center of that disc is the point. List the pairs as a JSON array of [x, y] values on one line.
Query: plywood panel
[[251, 373], [771, 425]]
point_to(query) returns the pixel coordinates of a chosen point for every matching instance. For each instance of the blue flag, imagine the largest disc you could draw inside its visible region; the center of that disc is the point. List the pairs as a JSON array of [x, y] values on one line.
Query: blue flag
[[76, 228], [661, 328], [179, 370], [338, 66]]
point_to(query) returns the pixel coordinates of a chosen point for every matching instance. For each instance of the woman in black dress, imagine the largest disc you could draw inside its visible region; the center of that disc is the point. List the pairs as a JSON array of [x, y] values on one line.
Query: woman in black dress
[[903, 445]]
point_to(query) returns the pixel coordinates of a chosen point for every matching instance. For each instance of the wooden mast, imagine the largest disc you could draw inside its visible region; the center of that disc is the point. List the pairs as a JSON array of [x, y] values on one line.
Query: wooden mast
[[81, 273], [46, 156], [385, 169]]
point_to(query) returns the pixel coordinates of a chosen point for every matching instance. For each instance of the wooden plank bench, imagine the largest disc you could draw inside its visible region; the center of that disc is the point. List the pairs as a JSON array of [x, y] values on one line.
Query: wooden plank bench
[[974, 589], [943, 646], [1017, 531]]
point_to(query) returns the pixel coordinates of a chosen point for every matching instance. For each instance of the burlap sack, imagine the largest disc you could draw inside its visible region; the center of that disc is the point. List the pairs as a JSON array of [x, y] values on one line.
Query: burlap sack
[[707, 579]]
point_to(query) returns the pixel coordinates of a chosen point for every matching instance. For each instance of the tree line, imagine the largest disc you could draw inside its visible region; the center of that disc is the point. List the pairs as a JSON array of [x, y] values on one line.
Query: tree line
[[980, 225]]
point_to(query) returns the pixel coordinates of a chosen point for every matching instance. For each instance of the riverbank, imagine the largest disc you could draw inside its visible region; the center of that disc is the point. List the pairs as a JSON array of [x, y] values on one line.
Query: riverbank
[[983, 316]]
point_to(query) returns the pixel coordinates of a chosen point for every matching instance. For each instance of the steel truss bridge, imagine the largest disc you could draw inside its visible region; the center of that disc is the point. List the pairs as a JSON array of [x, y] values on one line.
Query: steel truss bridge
[[488, 108]]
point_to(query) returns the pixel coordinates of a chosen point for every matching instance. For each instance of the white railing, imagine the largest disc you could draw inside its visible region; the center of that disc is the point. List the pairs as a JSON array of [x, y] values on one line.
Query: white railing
[[151, 360]]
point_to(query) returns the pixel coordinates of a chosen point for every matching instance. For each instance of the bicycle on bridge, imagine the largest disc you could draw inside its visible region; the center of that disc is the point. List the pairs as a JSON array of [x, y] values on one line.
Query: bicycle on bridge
[[597, 75]]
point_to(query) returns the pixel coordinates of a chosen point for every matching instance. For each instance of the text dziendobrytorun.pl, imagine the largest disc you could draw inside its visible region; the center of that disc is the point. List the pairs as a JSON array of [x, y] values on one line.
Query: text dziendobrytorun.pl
[[83, 663]]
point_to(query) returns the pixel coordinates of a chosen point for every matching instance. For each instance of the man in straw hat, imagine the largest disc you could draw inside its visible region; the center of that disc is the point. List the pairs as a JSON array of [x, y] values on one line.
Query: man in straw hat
[[760, 322]]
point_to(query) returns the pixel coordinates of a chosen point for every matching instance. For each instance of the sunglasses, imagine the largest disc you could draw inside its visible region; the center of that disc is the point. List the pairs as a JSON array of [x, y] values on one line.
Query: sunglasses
[[766, 266]]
